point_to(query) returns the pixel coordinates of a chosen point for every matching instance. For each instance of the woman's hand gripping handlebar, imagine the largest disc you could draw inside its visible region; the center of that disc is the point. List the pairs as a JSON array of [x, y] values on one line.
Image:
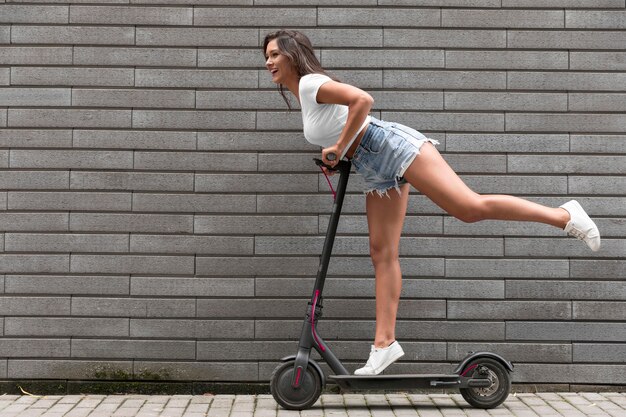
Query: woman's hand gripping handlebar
[[328, 170]]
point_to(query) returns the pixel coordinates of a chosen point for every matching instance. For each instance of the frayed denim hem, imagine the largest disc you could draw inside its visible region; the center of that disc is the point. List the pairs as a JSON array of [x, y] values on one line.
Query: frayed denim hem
[[384, 192]]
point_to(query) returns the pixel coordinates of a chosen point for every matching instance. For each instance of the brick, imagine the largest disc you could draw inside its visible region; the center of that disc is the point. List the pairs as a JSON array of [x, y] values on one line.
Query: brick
[[195, 287], [596, 331], [422, 246], [507, 60], [256, 225], [597, 269], [493, 122], [568, 4], [44, 326], [382, 58], [515, 352], [337, 37], [133, 98], [256, 183], [76, 35], [23, 222], [509, 142], [66, 201], [315, 2], [131, 181], [174, 329], [203, 371], [131, 264], [359, 287], [196, 36], [444, 3], [599, 310], [571, 81], [239, 100], [279, 120], [35, 348], [597, 102], [38, 242], [379, 16], [507, 268], [133, 307], [566, 164], [598, 143], [34, 263], [502, 18], [35, 97], [136, 349], [234, 58], [597, 60], [592, 19], [505, 101], [13, 13], [50, 284], [69, 118], [181, 119], [288, 162], [4, 159], [219, 266], [445, 38], [68, 76], [134, 139], [5, 38], [362, 78], [35, 138], [36, 55], [570, 39], [595, 185], [120, 56], [249, 16], [566, 290], [206, 245], [73, 159], [560, 248], [34, 306], [130, 15], [204, 203], [197, 161], [66, 369], [538, 122], [103, 222], [510, 310], [182, 78], [596, 352]]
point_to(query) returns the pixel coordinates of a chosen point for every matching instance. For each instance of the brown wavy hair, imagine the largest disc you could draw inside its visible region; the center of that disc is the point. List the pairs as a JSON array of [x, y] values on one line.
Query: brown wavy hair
[[297, 47]]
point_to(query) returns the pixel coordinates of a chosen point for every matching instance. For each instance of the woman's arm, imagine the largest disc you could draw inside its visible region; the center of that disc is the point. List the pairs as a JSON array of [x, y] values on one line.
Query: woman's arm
[[359, 105]]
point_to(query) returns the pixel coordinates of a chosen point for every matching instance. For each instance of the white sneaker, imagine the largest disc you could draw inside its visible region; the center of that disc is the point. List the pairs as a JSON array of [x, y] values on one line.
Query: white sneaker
[[581, 226], [381, 358]]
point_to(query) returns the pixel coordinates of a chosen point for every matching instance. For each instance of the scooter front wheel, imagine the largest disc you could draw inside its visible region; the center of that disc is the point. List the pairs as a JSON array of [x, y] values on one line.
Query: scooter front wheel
[[295, 398], [493, 395]]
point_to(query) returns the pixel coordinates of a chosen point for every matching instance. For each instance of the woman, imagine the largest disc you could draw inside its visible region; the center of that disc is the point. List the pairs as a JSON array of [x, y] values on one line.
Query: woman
[[391, 156]]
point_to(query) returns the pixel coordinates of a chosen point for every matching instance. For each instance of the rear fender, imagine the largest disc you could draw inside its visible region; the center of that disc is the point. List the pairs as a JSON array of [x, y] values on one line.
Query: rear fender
[[475, 355]]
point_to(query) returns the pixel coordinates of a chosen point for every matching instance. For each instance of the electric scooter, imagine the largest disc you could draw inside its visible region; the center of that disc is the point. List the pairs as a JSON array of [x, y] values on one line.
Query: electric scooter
[[482, 377]]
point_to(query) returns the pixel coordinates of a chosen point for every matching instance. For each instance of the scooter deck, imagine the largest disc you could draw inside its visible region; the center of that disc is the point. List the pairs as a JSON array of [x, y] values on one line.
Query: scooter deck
[[406, 381]]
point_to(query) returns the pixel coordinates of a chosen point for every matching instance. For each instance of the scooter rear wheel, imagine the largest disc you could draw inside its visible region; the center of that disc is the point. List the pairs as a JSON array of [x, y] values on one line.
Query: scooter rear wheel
[[295, 398], [496, 393]]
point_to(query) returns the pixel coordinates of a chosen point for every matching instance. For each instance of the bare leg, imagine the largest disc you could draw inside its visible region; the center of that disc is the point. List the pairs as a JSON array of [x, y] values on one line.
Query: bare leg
[[385, 216], [432, 176]]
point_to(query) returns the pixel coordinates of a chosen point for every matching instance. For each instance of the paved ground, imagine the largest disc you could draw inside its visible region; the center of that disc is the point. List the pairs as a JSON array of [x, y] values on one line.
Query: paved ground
[[348, 405]]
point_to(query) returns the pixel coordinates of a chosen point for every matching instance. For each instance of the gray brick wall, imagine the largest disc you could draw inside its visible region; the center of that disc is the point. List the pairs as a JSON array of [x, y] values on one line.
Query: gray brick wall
[[160, 214]]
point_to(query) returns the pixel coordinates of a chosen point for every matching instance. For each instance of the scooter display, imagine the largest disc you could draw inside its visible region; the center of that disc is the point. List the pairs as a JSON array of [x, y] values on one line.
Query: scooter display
[[482, 377]]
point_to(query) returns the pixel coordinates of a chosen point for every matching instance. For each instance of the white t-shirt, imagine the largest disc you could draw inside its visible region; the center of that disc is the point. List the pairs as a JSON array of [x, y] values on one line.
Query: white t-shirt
[[322, 122]]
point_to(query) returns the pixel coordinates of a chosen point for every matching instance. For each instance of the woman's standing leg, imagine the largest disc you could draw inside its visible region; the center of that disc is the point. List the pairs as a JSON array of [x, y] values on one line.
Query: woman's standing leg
[[385, 217]]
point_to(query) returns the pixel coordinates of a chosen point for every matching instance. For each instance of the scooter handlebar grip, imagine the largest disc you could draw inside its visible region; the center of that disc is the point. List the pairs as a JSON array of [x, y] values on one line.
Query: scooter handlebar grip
[[331, 156]]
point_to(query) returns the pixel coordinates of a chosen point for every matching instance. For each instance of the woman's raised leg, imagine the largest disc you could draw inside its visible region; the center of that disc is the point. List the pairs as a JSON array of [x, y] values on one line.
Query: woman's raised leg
[[432, 176]]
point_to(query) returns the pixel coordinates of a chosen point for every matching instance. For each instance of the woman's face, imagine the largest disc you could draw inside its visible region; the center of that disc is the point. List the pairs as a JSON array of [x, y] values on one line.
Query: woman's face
[[278, 64]]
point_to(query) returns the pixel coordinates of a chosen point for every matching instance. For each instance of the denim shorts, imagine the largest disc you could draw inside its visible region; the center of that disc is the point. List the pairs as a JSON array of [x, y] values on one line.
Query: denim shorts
[[386, 150]]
